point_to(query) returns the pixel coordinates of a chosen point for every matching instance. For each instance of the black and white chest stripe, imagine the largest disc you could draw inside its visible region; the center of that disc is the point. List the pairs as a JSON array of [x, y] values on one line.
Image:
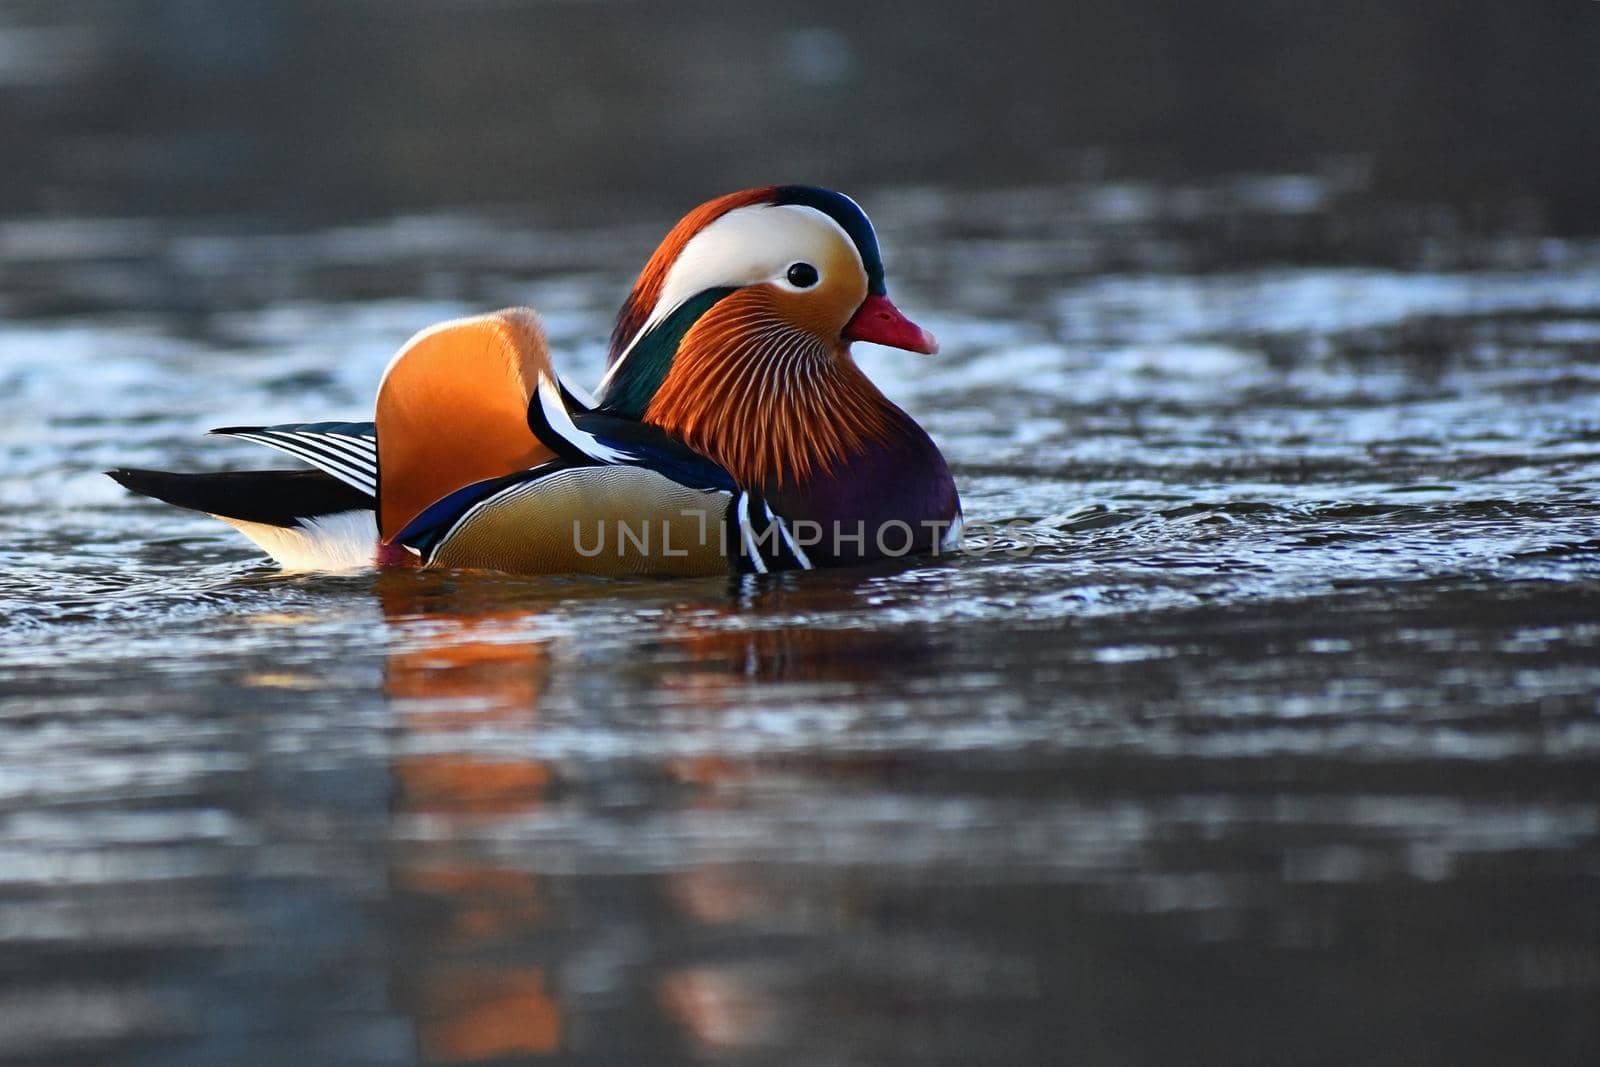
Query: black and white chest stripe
[[761, 540]]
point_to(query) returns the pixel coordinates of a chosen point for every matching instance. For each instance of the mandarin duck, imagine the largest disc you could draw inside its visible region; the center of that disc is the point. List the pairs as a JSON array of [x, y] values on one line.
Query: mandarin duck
[[732, 430]]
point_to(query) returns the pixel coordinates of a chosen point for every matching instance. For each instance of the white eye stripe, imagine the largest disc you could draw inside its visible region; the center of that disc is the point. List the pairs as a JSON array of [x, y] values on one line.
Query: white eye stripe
[[747, 246]]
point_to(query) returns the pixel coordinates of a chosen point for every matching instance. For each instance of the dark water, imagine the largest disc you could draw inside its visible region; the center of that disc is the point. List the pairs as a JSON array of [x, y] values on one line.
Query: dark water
[[1268, 733], [369, 107], [1271, 735]]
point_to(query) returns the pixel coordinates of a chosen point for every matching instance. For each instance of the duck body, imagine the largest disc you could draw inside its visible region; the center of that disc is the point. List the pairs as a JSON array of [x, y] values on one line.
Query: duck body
[[733, 431]]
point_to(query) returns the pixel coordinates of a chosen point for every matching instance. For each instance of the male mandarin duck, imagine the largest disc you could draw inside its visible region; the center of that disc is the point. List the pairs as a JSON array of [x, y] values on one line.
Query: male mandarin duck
[[732, 429]]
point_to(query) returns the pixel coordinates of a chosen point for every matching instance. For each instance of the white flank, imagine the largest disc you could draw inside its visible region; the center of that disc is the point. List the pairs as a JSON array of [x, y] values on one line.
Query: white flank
[[343, 541]]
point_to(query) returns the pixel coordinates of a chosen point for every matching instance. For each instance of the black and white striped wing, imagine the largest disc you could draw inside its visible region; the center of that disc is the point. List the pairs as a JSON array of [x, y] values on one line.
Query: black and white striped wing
[[346, 450]]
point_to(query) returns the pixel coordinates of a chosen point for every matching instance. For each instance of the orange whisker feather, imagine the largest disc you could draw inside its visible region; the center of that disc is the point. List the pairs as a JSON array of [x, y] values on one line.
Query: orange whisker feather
[[772, 403]]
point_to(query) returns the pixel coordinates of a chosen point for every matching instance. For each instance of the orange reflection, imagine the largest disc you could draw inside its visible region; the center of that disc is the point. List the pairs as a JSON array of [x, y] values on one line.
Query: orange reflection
[[463, 785], [720, 1008], [506, 677], [716, 896], [466, 671], [467, 661], [451, 673], [477, 902], [486, 1013]]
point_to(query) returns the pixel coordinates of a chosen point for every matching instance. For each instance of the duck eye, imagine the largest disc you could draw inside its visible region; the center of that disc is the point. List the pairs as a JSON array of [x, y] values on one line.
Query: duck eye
[[802, 275]]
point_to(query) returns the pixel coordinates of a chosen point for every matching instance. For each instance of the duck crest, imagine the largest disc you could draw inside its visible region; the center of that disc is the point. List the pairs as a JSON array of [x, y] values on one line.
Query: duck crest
[[773, 403], [653, 278]]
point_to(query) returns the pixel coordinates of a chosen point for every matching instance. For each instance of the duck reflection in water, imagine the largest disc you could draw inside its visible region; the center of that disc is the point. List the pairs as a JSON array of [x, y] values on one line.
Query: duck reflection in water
[[471, 1001], [519, 958]]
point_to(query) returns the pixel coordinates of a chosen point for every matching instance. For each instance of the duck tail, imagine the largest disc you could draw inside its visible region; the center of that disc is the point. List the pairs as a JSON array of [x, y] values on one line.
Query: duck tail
[[303, 519]]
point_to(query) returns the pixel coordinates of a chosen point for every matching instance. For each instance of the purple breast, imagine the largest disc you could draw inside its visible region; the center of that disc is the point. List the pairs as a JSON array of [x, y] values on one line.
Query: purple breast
[[895, 498]]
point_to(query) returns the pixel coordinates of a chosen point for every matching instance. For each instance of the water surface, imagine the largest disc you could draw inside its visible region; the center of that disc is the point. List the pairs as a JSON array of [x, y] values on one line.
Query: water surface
[[1270, 734]]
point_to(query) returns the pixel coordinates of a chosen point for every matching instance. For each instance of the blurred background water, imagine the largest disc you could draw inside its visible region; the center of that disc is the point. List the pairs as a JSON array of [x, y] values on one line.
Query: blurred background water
[[1275, 327]]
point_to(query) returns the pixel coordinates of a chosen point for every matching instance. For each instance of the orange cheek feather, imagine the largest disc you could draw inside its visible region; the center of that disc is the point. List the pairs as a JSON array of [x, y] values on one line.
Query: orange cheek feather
[[762, 385]]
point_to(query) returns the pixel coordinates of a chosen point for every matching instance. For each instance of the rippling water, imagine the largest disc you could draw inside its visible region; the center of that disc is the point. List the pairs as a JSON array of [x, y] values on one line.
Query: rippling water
[[1269, 734]]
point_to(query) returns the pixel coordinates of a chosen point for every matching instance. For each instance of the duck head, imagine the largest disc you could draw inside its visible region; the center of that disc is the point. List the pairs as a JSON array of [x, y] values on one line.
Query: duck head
[[736, 336]]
